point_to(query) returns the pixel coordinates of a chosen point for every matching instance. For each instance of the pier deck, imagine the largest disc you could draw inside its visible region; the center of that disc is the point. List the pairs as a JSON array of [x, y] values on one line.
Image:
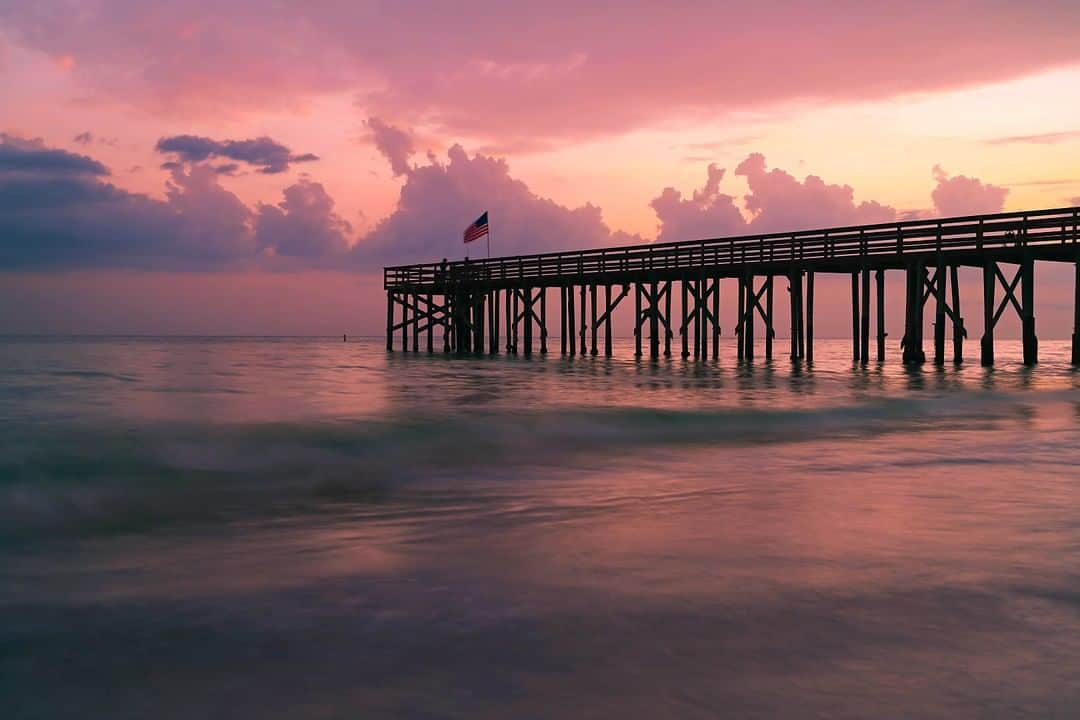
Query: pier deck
[[463, 299]]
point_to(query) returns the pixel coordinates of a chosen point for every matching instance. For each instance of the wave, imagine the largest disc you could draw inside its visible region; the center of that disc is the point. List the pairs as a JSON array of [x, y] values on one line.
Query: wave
[[98, 476]]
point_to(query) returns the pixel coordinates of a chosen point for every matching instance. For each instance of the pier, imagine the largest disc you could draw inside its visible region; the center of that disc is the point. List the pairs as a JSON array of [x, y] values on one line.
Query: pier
[[501, 304]]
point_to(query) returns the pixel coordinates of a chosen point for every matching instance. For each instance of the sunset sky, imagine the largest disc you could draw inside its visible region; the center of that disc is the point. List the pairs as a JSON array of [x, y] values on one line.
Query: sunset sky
[[249, 166]]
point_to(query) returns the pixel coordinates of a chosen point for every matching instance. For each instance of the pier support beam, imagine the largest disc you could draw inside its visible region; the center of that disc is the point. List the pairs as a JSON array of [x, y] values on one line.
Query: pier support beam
[[390, 317], [1076, 315], [986, 355], [913, 316], [795, 289], [1027, 312], [685, 333], [571, 316], [959, 331], [855, 316], [810, 316], [583, 328], [864, 330], [716, 318], [637, 319], [527, 319], [939, 313], [543, 320], [607, 321], [595, 329], [879, 277]]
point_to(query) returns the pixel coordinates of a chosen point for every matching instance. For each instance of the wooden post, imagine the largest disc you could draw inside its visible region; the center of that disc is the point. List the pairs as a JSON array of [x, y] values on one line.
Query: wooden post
[[741, 327], [571, 319], [494, 330], [699, 290], [527, 318], [404, 322], [654, 321], [686, 314], [543, 320], [913, 349], [716, 318], [939, 312], [448, 322], [637, 319], [416, 322], [748, 324], [986, 356], [592, 292], [769, 332], [431, 323], [855, 314], [958, 321], [793, 301], [801, 317], [478, 322], [1076, 315], [880, 278], [562, 318], [1027, 305], [667, 317], [810, 316], [865, 317], [517, 322], [607, 321], [583, 327], [390, 316]]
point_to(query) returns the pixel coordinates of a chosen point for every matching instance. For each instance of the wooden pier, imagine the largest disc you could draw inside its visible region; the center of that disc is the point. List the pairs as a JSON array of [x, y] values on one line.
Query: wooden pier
[[475, 306]]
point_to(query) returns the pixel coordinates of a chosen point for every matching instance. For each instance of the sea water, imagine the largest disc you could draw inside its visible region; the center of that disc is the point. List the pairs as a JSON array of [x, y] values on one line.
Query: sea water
[[294, 528]]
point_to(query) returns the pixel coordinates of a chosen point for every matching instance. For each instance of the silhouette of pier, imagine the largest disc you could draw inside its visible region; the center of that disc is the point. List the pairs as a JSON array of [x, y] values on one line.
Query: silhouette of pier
[[475, 306]]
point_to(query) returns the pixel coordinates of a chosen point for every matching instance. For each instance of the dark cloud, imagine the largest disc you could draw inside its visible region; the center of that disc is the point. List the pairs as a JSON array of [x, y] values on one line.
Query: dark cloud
[[963, 195], [32, 157], [264, 153], [395, 144], [439, 200], [1051, 138], [84, 138], [304, 224]]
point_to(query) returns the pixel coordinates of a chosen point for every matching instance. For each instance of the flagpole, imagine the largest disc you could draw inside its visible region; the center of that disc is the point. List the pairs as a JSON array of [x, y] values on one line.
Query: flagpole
[[489, 237]]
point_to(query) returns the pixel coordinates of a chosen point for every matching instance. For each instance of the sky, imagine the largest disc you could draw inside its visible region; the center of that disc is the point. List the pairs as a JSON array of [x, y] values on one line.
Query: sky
[[249, 167]]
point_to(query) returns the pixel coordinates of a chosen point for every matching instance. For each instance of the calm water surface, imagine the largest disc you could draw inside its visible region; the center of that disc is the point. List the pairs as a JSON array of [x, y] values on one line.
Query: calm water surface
[[284, 528]]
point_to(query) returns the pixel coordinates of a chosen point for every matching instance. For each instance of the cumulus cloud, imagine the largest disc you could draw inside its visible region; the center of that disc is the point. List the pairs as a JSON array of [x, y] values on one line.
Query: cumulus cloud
[[438, 200], [265, 154], [573, 74], [395, 144], [304, 224], [708, 213], [57, 210], [963, 195], [777, 201], [84, 138]]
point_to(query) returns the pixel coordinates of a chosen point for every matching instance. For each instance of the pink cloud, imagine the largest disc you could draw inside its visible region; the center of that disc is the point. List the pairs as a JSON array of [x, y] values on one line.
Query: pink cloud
[[511, 72], [439, 199], [708, 213], [777, 201], [963, 195], [303, 224]]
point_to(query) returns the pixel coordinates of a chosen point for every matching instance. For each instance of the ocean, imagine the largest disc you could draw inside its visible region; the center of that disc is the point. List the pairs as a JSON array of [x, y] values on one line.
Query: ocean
[[306, 528]]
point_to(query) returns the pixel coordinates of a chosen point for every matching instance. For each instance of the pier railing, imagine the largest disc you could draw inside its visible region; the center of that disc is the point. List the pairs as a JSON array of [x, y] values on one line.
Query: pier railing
[[976, 233]]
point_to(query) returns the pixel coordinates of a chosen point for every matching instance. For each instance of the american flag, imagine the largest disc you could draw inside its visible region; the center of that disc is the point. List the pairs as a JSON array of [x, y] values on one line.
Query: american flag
[[478, 229]]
